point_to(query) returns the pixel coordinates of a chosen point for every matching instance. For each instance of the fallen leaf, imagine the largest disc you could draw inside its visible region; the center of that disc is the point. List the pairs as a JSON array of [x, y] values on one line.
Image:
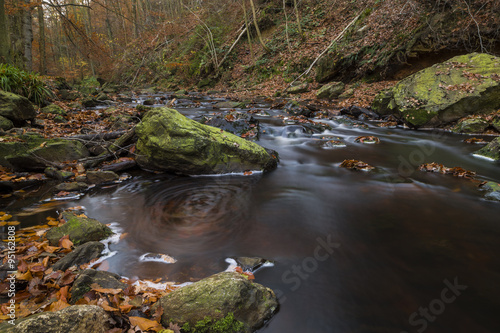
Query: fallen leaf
[[145, 324], [98, 288]]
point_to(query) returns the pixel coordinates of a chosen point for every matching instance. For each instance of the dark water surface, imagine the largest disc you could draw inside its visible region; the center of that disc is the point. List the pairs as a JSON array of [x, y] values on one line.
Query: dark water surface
[[353, 251]]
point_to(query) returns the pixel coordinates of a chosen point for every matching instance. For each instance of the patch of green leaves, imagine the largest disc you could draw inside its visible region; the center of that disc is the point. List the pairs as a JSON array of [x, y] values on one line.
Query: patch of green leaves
[[27, 84]]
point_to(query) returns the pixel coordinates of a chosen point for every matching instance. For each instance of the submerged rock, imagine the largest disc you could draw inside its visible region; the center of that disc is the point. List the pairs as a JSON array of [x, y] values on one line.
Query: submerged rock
[[217, 297], [80, 255], [168, 141], [16, 108], [76, 318], [491, 150], [79, 229], [463, 85], [88, 277]]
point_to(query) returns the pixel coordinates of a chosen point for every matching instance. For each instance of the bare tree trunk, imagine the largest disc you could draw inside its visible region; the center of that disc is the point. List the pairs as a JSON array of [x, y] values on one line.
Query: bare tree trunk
[[27, 36], [248, 30], [286, 27], [257, 26], [4, 35], [134, 13], [299, 27], [42, 50]]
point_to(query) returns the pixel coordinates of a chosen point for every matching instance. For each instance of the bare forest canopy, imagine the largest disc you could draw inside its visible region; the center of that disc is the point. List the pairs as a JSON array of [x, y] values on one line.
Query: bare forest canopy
[[184, 42]]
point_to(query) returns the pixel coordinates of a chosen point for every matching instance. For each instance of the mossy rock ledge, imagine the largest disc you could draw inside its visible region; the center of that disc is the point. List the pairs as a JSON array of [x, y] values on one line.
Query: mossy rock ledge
[[34, 152], [441, 94], [168, 141], [211, 301], [16, 108], [491, 150], [80, 230], [76, 318]]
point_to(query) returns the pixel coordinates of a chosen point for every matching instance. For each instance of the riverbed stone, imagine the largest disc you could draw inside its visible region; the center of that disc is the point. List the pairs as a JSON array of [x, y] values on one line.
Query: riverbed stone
[[331, 90], [238, 123], [491, 150], [229, 105], [47, 152], [58, 174], [99, 177], [72, 186], [88, 277], [80, 229], [15, 107], [54, 109], [298, 89], [5, 124], [471, 125], [168, 141], [75, 318], [80, 255], [217, 297], [441, 94]]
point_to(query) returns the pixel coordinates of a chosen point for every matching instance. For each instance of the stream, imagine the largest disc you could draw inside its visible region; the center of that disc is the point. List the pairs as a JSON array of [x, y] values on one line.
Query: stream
[[391, 250]]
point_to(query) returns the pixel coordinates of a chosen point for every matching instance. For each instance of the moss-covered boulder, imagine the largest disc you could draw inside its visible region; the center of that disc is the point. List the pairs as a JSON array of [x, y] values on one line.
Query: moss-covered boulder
[[491, 150], [495, 122], [54, 109], [5, 124], [76, 318], [26, 157], [168, 141], [471, 125], [21, 143], [16, 108], [298, 89], [80, 230], [214, 299], [88, 277], [331, 90], [463, 85]]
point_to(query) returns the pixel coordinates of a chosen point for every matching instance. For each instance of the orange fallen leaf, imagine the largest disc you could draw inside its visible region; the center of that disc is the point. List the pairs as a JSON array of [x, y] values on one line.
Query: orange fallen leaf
[[98, 288], [145, 324], [64, 242], [58, 305]]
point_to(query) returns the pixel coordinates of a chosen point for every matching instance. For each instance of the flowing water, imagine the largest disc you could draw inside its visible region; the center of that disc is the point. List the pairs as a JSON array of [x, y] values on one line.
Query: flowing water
[[391, 250]]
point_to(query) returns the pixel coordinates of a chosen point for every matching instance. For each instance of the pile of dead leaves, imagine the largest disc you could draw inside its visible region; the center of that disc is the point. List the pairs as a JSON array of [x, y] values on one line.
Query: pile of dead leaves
[[40, 289], [356, 165], [455, 171]]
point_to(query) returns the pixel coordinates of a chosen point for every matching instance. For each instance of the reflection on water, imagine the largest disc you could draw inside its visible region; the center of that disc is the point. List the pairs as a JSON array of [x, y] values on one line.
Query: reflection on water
[[353, 251]]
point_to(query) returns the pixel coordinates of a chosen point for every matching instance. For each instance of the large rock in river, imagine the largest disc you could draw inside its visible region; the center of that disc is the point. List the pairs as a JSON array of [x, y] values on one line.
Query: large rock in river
[[16, 108], [217, 298], [463, 85], [80, 230], [168, 141]]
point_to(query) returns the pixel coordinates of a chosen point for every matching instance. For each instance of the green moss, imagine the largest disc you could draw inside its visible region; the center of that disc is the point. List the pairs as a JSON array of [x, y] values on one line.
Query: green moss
[[79, 229], [228, 324]]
